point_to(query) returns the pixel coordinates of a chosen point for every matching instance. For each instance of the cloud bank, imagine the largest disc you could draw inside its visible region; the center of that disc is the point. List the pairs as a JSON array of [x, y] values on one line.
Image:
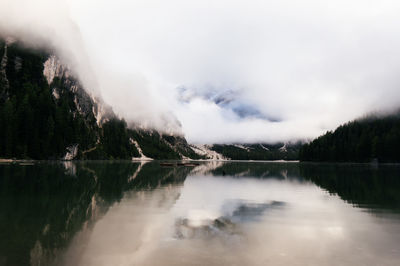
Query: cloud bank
[[230, 71]]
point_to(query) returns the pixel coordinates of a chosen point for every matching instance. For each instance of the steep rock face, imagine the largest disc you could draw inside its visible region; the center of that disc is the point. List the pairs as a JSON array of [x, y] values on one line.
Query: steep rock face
[[53, 68], [72, 152], [4, 84], [56, 73], [45, 113], [155, 144]]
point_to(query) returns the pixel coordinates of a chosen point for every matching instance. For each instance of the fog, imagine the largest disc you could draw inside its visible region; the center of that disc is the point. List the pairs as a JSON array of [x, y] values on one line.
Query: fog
[[225, 71]]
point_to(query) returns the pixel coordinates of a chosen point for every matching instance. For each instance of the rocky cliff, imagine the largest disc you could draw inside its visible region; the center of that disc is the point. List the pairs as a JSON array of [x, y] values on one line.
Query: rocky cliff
[[45, 113]]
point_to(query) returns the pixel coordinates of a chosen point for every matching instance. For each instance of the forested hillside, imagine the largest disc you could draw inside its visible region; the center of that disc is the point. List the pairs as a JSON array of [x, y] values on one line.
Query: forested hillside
[[33, 124], [279, 151], [52, 117], [365, 140]]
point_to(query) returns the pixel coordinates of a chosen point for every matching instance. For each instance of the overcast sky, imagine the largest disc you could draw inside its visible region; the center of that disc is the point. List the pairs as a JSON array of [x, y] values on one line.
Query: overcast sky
[[229, 71]]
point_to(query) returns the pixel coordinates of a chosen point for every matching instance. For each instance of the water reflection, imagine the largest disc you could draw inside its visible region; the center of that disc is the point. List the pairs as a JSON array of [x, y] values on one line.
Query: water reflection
[[363, 185], [102, 213], [43, 206]]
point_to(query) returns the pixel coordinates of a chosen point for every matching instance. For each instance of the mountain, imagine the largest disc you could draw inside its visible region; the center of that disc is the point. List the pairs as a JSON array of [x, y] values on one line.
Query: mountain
[[370, 139], [258, 151], [45, 113]]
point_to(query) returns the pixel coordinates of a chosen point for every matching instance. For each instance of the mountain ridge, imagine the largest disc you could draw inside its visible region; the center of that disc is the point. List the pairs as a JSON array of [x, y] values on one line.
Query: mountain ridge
[[46, 113], [40, 96]]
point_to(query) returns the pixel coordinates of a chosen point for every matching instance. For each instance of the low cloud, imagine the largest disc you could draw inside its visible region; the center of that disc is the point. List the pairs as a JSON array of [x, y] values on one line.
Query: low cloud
[[293, 69]]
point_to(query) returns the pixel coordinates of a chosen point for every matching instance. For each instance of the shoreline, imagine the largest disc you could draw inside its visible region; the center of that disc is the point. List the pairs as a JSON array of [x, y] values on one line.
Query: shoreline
[[31, 161]]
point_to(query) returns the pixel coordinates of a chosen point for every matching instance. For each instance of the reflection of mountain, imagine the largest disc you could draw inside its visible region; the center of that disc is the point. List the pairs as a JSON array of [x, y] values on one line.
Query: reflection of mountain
[[40, 208], [247, 212], [43, 206], [363, 185], [258, 170]]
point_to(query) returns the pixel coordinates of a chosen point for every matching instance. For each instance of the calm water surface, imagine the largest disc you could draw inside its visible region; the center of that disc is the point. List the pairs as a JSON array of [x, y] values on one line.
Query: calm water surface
[[96, 213]]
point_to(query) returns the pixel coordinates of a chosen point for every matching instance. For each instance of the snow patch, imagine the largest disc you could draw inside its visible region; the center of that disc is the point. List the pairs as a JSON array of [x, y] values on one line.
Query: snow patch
[[142, 156], [283, 148], [265, 148], [242, 147]]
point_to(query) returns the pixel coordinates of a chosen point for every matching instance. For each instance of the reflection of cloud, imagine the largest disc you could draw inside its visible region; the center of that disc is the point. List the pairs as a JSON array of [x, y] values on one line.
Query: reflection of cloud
[[208, 228], [204, 225], [235, 221], [128, 233], [246, 212]]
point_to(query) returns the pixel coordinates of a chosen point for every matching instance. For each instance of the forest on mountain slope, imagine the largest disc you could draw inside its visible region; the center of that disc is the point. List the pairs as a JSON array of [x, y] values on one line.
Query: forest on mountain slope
[[372, 139], [277, 151], [36, 125], [40, 120]]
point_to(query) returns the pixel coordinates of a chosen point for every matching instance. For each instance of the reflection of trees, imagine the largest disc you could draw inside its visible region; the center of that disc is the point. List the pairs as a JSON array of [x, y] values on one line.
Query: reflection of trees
[[153, 176], [355, 183], [362, 185], [43, 206], [40, 204]]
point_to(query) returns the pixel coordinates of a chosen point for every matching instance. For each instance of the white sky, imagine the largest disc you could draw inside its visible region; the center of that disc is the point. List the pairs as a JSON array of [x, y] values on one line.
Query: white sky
[[311, 65]]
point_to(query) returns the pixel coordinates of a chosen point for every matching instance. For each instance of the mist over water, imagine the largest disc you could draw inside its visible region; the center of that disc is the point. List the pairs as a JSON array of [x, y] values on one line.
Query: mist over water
[[211, 214]]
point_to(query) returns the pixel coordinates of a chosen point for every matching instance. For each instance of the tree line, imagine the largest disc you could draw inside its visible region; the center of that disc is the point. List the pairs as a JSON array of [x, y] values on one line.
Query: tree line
[[365, 140], [39, 121]]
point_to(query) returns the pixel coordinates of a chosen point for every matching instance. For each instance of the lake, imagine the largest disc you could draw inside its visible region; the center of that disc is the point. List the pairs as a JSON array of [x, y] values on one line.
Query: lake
[[215, 213]]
